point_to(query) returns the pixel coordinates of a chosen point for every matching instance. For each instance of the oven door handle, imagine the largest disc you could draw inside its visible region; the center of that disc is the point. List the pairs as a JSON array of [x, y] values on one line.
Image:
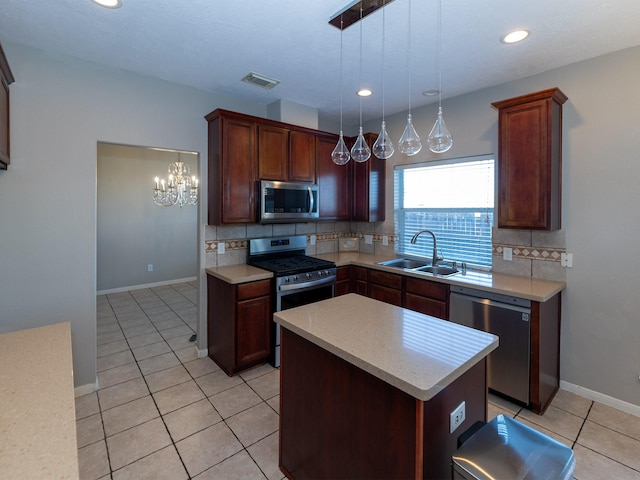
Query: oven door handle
[[312, 283]]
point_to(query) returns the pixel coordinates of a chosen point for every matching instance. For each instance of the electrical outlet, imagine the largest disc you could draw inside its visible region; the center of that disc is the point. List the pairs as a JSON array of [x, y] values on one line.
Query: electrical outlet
[[150, 268], [368, 239], [507, 254], [456, 417], [312, 239], [566, 260], [385, 241], [221, 248]]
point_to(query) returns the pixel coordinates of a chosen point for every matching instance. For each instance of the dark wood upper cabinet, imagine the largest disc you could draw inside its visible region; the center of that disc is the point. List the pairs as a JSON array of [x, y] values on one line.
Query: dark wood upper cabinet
[[6, 79], [302, 156], [232, 168], [334, 182], [530, 160], [369, 187], [244, 149], [285, 154], [273, 153]]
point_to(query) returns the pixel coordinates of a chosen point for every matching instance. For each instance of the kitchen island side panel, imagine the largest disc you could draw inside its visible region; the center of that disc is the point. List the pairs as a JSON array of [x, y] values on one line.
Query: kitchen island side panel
[[338, 421]]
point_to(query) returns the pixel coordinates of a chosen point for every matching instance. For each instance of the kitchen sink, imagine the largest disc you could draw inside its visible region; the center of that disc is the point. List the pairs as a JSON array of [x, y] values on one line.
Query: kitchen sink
[[406, 263], [419, 266], [439, 270]]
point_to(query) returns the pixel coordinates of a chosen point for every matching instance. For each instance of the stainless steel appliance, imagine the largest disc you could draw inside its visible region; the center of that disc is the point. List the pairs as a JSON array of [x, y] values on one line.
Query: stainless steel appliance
[[299, 278], [288, 202], [508, 318]]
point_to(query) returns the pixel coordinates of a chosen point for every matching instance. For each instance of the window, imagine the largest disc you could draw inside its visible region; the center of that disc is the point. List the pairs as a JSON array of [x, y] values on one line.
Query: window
[[452, 198]]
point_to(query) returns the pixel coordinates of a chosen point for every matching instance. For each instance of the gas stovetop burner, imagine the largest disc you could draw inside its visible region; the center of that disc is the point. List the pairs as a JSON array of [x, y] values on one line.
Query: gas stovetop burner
[[284, 256]]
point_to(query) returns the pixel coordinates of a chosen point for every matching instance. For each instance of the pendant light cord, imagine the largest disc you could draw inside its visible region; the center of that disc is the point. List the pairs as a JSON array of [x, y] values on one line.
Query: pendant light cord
[[360, 70], [341, 30], [409, 54], [383, 29], [439, 54]]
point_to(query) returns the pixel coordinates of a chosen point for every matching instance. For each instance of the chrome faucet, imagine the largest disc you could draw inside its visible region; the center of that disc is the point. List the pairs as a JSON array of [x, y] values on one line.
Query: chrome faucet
[[435, 259]]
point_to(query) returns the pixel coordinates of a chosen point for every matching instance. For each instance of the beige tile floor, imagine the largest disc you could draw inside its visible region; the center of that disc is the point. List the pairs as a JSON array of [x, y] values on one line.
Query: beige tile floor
[[162, 413]]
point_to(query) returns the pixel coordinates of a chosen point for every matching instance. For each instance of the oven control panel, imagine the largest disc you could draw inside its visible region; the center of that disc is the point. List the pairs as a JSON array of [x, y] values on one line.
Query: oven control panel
[[323, 274]]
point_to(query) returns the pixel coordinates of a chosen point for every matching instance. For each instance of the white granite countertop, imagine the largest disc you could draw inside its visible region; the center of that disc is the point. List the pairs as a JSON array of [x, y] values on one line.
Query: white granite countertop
[[418, 354], [523, 287], [37, 406], [241, 273]]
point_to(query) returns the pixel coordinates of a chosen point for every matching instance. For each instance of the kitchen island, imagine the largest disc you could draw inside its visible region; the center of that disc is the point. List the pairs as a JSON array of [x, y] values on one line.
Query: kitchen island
[[367, 389]]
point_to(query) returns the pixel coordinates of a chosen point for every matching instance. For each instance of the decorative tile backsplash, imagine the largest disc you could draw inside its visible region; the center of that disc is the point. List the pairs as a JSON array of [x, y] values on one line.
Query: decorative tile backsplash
[[534, 254]]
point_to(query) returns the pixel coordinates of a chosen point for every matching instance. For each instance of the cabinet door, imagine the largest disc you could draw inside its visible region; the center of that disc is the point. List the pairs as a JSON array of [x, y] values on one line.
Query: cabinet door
[[386, 287], [302, 156], [428, 306], [273, 153], [369, 180], [529, 161], [253, 330], [343, 280], [334, 182]]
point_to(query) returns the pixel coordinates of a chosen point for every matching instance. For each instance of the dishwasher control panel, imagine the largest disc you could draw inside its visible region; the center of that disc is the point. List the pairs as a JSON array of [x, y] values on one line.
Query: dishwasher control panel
[[496, 297]]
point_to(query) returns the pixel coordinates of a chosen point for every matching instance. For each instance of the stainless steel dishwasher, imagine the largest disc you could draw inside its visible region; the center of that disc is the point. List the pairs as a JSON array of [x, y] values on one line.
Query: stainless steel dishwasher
[[508, 318]]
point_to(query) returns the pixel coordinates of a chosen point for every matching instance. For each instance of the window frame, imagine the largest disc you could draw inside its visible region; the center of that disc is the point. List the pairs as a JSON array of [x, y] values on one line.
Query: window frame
[[399, 209]]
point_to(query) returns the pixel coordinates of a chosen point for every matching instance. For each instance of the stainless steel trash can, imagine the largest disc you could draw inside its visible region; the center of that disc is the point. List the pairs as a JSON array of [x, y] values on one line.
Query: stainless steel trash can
[[506, 449]]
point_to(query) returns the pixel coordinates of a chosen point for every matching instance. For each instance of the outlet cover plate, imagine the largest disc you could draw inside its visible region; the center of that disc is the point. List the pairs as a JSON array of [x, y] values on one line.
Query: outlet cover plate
[[456, 418]]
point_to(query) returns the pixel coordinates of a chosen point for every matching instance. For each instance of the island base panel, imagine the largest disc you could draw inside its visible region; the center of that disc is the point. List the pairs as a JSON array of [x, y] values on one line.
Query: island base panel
[[337, 421]]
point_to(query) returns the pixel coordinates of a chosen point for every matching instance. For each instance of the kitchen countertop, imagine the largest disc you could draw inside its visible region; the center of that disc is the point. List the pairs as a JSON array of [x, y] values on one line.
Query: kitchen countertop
[[523, 287], [37, 405], [241, 273], [534, 289], [416, 353]]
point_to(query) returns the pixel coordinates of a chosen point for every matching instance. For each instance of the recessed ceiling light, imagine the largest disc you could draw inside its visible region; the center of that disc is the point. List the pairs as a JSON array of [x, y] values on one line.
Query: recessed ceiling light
[[515, 36], [431, 93], [364, 92], [108, 3]]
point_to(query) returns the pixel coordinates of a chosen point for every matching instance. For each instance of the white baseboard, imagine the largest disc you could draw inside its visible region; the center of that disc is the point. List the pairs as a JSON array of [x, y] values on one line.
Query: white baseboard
[[146, 285], [601, 398], [202, 353]]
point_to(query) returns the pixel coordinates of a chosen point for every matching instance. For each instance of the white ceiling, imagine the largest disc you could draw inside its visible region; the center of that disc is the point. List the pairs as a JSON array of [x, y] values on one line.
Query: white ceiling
[[212, 44]]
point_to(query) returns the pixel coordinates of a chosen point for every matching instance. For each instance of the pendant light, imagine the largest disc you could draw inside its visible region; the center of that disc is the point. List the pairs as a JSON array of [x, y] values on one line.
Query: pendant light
[[409, 143], [340, 154], [383, 147], [360, 152], [440, 140]]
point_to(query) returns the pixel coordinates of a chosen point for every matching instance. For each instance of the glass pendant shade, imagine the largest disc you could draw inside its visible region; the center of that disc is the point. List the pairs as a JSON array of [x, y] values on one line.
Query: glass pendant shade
[[360, 152], [410, 143], [340, 154], [440, 140], [383, 147]]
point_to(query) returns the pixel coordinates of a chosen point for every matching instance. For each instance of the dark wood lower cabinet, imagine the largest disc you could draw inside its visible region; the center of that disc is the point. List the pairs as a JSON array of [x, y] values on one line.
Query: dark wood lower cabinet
[[238, 323], [338, 421], [386, 287], [425, 296]]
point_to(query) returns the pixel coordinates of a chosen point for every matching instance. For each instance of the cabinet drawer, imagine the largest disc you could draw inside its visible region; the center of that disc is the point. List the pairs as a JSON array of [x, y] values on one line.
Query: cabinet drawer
[[386, 295], [254, 289], [359, 273], [387, 279], [426, 288], [428, 306], [343, 273]]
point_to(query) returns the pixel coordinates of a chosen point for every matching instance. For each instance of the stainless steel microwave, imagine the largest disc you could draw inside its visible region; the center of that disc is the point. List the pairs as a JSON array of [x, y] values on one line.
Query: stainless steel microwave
[[288, 202]]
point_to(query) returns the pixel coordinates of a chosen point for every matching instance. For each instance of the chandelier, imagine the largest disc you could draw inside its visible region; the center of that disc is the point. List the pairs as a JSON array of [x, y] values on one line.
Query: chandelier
[[180, 189]]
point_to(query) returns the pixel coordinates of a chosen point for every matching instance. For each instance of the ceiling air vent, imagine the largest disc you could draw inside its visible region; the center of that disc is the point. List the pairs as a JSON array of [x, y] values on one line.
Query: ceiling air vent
[[260, 80]]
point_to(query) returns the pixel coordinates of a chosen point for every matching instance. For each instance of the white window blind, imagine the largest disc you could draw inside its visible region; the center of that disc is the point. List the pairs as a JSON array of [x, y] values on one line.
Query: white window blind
[[452, 198]]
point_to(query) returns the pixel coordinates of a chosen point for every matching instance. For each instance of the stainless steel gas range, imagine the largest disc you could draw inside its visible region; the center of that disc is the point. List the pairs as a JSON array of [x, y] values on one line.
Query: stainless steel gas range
[[299, 278]]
